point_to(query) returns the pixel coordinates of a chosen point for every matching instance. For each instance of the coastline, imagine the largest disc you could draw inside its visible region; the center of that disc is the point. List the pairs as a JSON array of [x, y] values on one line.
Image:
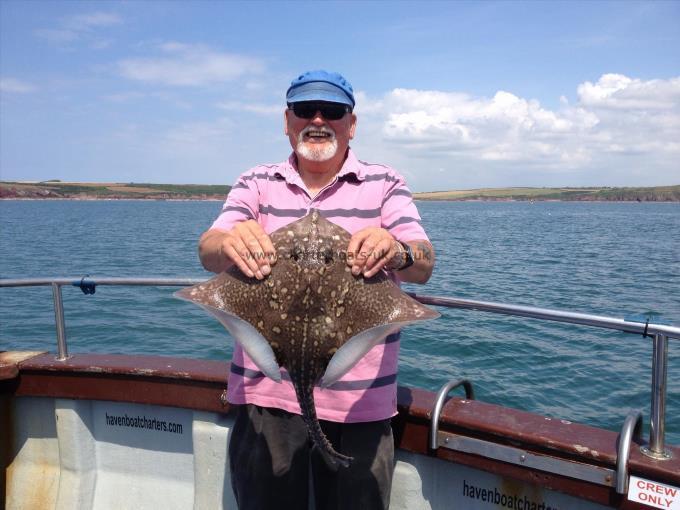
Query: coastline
[[108, 199], [415, 199], [57, 190]]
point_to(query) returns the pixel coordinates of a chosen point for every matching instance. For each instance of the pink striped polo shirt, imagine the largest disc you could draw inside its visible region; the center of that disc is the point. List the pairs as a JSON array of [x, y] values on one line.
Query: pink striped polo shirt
[[362, 195]]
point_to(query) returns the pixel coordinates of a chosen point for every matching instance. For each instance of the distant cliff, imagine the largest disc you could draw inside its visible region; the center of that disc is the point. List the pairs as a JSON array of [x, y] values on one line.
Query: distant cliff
[[652, 194], [99, 191], [104, 191]]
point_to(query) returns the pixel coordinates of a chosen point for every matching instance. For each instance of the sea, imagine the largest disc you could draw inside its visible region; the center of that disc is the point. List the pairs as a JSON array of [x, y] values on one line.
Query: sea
[[614, 259]]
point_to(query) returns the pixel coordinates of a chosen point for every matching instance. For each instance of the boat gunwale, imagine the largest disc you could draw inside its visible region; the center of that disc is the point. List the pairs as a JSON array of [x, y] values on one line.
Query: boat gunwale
[[201, 385]]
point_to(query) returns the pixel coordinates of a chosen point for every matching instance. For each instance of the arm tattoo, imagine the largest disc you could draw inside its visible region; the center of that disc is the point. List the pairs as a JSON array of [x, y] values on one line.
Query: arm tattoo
[[425, 250]]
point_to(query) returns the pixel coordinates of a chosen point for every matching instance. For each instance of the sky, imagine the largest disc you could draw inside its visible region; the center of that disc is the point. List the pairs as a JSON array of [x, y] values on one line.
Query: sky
[[454, 95]]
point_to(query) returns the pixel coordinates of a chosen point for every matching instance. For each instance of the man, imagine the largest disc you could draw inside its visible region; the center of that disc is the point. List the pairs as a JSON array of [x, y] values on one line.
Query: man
[[269, 451]]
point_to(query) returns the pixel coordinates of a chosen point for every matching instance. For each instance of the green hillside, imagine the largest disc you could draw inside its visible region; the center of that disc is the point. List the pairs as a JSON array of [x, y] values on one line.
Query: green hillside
[[652, 194], [98, 190], [92, 190]]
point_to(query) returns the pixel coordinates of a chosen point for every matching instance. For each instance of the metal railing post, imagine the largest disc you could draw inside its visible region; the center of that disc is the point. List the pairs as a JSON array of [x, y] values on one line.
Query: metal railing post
[[657, 423], [439, 404], [62, 350], [631, 431]]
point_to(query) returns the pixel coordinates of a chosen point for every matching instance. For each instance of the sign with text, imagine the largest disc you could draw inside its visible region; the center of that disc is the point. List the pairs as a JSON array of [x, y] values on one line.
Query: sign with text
[[655, 494]]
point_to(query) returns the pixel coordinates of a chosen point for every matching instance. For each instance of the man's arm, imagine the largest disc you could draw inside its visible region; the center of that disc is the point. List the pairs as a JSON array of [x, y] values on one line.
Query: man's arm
[[247, 245], [423, 263], [377, 248], [373, 249]]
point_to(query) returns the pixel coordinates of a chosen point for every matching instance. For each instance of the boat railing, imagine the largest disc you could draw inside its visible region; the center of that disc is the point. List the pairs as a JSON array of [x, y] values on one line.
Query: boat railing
[[659, 333]]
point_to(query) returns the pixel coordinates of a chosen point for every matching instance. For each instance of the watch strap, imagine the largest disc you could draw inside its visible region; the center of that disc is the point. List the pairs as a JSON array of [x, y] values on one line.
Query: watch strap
[[408, 256]]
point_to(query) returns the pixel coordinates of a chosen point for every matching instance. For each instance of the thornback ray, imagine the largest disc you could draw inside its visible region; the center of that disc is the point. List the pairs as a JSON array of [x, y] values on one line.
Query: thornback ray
[[310, 315]]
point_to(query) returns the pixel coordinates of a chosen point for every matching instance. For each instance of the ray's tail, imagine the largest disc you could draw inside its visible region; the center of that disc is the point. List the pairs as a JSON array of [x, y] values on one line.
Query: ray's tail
[[305, 394]]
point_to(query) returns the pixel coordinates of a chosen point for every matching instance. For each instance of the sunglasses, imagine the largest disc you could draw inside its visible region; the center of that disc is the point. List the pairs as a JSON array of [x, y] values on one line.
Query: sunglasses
[[329, 111]]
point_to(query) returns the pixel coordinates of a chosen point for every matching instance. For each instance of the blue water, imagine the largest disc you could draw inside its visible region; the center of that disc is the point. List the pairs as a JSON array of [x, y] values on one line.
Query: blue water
[[603, 258]]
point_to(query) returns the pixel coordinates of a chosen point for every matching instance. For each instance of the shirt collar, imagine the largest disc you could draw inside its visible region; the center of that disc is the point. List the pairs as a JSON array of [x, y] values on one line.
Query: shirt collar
[[351, 166]]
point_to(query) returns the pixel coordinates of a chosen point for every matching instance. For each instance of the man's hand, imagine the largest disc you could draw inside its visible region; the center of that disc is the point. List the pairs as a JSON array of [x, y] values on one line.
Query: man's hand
[[247, 245], [370, 249]]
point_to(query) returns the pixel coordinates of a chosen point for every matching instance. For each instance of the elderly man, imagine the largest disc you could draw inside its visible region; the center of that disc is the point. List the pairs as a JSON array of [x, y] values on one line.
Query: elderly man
[[270, 454]]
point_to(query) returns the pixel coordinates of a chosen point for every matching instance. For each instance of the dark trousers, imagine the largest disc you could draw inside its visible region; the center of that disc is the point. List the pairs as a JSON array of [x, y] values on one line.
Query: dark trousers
[[273, 464]]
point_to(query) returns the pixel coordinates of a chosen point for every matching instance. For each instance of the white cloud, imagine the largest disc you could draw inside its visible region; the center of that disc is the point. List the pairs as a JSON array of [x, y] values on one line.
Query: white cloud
[[12, 85], [615, 115], [189, 65], [504, 127], [89, 21], [81, 27], [196, 136], [615, 91], [124, 97], [258, 108], [57, 35]]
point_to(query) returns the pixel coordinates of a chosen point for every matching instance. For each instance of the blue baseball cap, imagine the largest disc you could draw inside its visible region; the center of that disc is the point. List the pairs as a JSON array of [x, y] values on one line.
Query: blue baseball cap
[[320, 86]]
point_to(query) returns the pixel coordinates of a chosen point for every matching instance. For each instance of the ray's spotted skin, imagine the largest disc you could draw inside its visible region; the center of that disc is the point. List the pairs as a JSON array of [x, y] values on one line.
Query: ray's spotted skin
[[310, 316]]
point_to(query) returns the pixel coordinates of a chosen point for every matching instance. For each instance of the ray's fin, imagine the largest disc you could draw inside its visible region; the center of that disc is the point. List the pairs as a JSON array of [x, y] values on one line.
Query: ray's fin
[[353, 350], [255, 345], [356, 348]]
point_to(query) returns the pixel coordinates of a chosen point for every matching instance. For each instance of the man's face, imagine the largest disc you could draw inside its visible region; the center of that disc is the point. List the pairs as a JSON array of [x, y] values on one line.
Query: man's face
[[318, 139]]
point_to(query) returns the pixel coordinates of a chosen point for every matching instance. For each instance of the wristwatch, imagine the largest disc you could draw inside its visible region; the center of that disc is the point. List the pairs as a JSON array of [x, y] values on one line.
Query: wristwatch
[[406, 258]]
